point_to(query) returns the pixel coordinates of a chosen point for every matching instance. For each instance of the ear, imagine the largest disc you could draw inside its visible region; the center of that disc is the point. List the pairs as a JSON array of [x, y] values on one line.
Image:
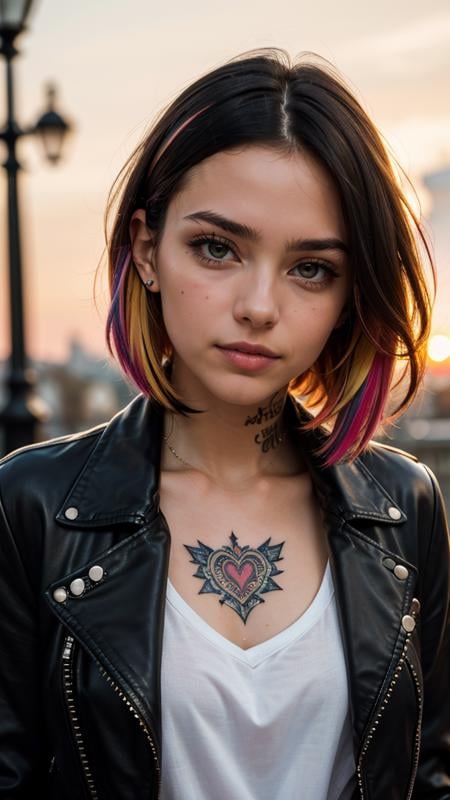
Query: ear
[[142, 248]]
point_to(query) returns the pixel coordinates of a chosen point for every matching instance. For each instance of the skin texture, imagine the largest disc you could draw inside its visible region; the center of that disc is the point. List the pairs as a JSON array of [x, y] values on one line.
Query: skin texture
[[253, 292]]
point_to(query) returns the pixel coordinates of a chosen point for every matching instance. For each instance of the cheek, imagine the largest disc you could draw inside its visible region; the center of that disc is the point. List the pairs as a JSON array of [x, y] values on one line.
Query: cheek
[[186, 297], [314, 319], [309, 327], [188, 309]]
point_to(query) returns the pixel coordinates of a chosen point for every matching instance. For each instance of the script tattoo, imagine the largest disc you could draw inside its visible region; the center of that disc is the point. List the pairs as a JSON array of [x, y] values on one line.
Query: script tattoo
[[266, 413], [240, 574], [267, 438]]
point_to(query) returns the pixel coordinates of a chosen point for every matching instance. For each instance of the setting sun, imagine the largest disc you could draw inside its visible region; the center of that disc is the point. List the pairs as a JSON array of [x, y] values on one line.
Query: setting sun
[[439, 347]]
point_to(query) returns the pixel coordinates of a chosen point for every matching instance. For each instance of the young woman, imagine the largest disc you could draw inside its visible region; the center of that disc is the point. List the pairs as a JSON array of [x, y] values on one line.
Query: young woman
[[229, 590]]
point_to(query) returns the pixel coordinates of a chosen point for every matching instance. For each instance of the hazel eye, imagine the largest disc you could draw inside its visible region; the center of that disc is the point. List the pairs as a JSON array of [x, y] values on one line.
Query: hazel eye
[[211, 246], [210, 242], [318, 273], [310, 268]]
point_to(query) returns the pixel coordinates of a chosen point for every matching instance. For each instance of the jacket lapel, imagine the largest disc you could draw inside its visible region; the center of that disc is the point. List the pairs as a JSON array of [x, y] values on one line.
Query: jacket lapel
[[371, 599], [118, 619], [371, 602]]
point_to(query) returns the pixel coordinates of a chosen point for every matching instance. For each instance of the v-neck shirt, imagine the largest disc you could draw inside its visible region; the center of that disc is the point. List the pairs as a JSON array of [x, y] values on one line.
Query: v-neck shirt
[[271, 721]]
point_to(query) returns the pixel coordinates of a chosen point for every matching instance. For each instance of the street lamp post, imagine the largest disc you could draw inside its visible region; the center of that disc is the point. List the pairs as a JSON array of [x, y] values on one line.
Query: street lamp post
[[23, 411]]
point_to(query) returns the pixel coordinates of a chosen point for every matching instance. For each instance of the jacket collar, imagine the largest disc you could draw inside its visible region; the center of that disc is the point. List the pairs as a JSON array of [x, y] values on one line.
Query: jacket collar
[[120, 479]]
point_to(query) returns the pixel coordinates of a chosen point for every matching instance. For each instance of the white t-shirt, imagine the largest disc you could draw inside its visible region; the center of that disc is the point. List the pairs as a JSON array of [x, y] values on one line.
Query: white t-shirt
[[267, 723]]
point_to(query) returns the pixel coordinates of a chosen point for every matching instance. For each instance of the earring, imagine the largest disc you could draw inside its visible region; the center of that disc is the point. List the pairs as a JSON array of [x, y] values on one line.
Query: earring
[[149, 282]]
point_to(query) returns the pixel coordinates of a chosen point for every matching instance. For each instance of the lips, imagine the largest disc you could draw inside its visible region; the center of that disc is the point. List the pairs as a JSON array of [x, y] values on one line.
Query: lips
[[249, 349]]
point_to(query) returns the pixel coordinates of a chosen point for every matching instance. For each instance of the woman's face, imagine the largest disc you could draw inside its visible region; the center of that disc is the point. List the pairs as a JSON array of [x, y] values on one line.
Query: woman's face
[[257, 278]]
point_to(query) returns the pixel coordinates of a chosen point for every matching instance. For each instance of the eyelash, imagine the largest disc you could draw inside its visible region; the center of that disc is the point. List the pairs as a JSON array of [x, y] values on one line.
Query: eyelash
[[197, 242]]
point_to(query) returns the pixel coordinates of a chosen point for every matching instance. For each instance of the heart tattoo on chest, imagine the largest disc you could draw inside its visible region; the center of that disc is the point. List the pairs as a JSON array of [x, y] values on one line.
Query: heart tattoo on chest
[[240, 574]]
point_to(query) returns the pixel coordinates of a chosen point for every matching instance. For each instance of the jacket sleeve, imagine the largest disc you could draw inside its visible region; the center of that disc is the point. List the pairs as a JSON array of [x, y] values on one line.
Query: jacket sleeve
[[21, 735], [433, 773]]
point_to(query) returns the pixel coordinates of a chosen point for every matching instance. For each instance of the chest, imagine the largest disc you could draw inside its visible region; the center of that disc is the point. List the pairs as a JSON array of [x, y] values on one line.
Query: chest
[[250, 563]]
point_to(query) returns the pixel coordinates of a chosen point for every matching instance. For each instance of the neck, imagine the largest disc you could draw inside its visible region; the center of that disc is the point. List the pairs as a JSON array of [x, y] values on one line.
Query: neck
[[234, 446]]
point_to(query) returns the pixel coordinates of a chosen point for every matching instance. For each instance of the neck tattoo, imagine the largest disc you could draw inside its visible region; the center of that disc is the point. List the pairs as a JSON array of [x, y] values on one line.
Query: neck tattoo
[[268, 438]]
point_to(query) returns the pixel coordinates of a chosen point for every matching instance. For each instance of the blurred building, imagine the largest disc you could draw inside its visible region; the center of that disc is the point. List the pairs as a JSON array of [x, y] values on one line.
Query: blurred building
[[81, 392], [438, 185]]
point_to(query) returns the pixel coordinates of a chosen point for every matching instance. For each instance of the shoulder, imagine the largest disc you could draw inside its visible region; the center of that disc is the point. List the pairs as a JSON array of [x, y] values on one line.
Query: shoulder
[[409, 481], [37, 470], [393, 462], [49, 450], [395, 450]]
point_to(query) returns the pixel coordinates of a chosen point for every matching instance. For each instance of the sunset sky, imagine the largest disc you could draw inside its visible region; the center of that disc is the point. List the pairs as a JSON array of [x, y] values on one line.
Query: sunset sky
[[117, 65]]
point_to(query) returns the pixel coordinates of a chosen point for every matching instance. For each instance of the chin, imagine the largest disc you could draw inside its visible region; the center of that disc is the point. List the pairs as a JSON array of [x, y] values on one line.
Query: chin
[[242, 390], [202, 383]]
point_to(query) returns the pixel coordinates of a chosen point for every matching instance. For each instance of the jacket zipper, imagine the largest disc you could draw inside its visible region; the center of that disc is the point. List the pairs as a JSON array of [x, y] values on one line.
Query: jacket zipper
[[368, 738], [68, 689], [67, 656], [418, 730], [142, 724]]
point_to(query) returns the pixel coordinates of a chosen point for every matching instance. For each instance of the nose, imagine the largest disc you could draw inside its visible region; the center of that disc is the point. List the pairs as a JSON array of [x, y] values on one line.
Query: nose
[[256, 301]]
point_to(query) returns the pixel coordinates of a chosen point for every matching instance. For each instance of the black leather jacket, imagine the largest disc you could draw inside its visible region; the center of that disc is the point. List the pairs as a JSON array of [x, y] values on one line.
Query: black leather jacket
[[84, 552]]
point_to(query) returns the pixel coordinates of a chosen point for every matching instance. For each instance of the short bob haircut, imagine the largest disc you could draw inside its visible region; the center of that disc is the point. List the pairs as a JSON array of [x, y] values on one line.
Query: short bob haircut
[[258, 97]]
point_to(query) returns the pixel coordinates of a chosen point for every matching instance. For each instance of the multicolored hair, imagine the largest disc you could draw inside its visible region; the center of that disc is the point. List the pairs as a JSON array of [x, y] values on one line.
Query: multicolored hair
[[261, 98]]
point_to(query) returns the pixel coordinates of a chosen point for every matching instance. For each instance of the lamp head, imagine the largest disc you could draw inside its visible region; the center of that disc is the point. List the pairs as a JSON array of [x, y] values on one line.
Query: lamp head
[[13, 14]]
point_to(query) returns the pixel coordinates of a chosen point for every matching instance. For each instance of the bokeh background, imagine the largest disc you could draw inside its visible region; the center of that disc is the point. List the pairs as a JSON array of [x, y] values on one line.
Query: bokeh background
[[116, 65]]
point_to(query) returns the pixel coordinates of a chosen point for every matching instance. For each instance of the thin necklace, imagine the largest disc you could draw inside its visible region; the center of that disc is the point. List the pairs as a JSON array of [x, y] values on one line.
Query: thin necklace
[[172, 450], [166, 439]]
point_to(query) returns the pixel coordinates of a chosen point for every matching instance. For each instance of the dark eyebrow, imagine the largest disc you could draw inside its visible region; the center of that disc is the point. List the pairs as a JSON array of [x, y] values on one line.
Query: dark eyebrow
[[253, 235]]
